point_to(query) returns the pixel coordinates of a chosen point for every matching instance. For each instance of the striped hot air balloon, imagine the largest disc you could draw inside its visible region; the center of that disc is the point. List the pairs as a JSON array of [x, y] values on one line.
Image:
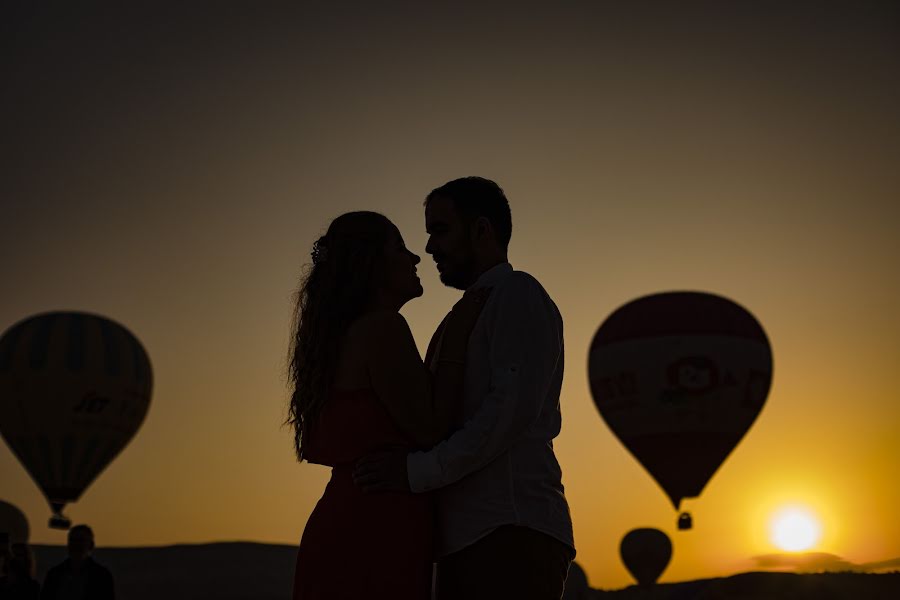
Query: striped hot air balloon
[[74, 389]]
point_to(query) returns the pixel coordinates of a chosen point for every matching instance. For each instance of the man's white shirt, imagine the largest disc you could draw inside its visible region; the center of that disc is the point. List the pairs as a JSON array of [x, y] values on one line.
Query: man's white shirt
[[499, 468]]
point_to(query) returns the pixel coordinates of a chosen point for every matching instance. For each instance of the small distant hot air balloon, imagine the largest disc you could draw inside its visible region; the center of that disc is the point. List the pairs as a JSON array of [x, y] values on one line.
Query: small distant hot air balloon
[[13, 524], [74, 389], [679, 378], [646, 553]]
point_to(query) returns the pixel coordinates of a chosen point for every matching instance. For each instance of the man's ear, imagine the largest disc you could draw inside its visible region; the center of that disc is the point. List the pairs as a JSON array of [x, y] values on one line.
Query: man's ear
[[482, 229]]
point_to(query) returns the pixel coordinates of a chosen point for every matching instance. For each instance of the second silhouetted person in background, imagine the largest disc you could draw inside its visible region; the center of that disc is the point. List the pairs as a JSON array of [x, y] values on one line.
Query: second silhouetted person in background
[[79, 577]]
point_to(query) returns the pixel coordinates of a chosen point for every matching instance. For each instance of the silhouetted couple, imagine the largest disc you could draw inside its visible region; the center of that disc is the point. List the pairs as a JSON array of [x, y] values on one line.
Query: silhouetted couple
[[449, 460]]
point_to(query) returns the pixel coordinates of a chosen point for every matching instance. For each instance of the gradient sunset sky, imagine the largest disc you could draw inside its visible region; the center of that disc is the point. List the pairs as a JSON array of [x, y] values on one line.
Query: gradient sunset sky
[[170, 168]]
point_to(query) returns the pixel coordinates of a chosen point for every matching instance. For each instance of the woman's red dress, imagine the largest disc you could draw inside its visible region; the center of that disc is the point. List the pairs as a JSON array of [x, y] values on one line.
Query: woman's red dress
[[357, 545]]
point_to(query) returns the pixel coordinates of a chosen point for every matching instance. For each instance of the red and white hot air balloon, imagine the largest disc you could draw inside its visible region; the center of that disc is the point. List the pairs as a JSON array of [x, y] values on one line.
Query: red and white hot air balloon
[[679, 378]]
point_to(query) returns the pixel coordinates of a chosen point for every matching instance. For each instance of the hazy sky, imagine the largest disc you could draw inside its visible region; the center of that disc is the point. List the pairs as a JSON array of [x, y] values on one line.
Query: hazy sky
[[170, 168]]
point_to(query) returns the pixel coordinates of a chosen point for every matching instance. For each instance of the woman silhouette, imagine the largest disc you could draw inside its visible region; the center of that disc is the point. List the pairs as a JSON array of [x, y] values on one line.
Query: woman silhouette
[[360, 386]]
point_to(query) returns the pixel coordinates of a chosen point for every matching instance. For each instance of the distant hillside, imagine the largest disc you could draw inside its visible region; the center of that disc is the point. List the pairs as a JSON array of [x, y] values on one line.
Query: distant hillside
[[226, 571], [249, 571], [768, 586]]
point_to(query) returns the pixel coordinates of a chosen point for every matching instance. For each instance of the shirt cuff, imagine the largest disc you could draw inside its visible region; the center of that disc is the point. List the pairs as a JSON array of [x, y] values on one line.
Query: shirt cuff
[[423, 471]]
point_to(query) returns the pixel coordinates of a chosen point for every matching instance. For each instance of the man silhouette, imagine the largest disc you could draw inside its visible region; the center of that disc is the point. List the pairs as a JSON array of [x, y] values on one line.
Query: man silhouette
[[503, 524], [79, 577]]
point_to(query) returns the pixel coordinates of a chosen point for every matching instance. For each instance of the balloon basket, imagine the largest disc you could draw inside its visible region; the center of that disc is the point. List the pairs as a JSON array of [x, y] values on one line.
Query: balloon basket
[[59, 522], [685, 521]]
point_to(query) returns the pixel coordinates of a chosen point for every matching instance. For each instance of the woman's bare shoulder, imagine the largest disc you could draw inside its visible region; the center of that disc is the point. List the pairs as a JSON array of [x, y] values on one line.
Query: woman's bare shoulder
[[378, 325], [366, 343]]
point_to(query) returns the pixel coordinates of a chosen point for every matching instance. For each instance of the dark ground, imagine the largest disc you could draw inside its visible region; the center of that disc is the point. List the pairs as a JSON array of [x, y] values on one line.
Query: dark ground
[[243, 570], [764, 586], [227, 571]]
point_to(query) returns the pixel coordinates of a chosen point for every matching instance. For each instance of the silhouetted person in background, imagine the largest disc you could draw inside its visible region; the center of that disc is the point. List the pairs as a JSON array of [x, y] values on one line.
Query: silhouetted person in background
[[504, 529], [360, 386], [18, 581], [79, 577], [4, 551]]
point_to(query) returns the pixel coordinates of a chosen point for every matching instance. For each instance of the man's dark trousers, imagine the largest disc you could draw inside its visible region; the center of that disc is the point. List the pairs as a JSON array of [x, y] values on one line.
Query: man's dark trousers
[[510, 562]]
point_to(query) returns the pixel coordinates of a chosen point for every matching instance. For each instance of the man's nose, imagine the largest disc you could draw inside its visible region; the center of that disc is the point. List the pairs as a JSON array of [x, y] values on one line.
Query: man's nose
[[429, 248], [416, 259]]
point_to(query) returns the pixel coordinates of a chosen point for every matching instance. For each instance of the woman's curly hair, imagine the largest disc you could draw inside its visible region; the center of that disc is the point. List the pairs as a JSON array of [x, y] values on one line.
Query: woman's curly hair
[[333, 293]]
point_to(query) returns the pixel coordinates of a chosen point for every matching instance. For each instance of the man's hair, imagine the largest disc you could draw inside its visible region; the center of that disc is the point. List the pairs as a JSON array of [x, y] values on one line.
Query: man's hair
[[84, 528], [475, 197]]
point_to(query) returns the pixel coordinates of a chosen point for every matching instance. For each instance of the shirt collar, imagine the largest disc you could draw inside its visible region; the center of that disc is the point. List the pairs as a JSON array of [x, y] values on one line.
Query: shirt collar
[[492, 276]]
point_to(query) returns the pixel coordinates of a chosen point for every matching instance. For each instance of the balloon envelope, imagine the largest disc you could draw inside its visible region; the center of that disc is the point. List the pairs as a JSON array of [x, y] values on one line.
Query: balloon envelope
[[646, 554], [13, 523], [679, 378], [74, 389]]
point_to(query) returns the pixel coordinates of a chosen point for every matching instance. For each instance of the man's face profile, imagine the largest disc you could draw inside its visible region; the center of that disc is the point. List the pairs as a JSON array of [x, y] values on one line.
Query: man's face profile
[[449, 243]]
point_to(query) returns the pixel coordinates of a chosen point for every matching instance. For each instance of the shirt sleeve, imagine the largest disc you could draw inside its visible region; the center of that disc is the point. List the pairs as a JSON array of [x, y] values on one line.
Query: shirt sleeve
[[525, 345]]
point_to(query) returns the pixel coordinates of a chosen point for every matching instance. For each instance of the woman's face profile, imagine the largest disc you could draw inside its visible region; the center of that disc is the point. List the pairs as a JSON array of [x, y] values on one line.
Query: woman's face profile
[[400, 279]]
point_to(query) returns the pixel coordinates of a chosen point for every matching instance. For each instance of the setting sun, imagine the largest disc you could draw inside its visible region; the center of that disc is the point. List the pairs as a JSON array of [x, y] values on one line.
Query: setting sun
[[795, 529]]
